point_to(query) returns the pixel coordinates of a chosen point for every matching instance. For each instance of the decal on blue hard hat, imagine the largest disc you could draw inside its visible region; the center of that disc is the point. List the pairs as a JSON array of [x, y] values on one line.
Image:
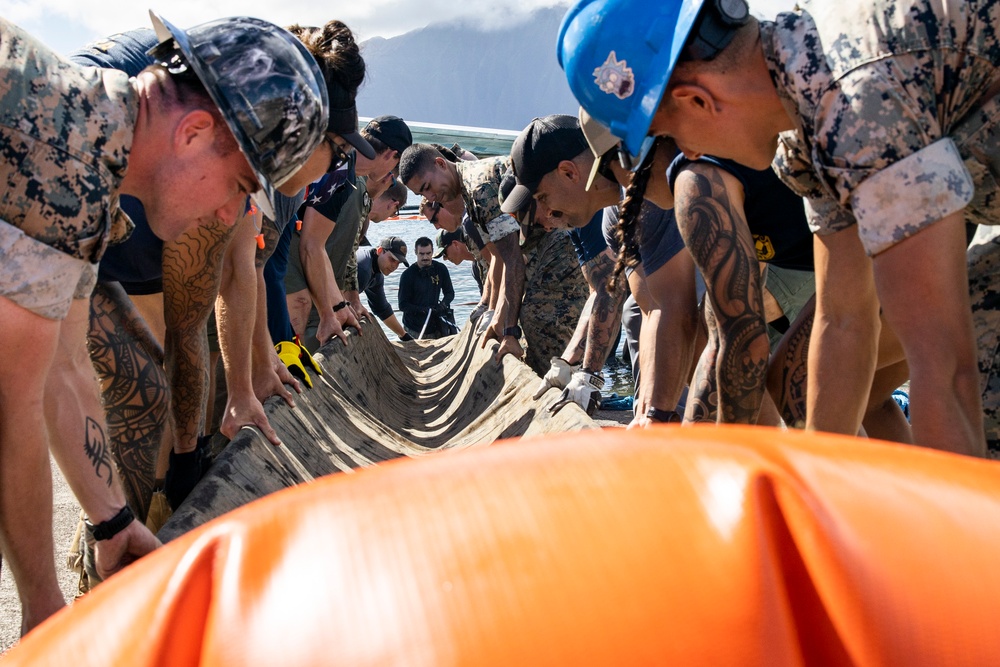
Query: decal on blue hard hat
[[615, 77]]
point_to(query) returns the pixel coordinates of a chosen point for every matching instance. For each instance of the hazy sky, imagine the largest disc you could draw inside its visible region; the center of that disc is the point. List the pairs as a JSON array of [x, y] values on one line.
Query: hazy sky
[[66, 25]]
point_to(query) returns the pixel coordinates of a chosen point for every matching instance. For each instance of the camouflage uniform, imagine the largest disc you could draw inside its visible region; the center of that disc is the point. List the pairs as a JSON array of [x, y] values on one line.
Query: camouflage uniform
[[554, 287], [481, 193], [65, 134], [555, 292], [899, 126]]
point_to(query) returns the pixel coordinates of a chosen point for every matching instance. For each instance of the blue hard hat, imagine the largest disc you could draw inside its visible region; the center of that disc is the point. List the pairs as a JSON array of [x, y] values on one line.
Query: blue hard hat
[[618, 56]]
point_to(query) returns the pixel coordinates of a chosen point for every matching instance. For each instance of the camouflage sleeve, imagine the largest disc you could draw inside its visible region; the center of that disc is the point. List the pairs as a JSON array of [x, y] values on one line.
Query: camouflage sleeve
[[881, 152], [900, 200]]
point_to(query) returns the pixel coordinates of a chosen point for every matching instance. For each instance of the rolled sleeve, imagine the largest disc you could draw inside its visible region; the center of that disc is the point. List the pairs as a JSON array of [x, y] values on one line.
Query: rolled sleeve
[[501, 226], [903, 198]]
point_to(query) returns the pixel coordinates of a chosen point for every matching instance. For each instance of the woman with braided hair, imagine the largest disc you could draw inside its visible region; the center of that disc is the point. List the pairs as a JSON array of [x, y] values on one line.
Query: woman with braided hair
[[733, 219]]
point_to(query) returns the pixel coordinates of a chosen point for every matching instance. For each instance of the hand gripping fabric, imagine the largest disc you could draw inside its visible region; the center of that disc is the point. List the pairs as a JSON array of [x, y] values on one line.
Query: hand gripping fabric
[[584, 389], [296, 359], [558, 376], [266, 84], [671, 545]]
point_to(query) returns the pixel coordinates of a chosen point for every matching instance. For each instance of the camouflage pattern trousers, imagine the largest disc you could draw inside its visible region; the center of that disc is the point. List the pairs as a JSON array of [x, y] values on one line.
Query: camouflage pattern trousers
[[555, 292], [983, 261]]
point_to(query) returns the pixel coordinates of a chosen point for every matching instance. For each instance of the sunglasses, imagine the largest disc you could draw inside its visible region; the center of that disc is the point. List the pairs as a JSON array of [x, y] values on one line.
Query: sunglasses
[[436, 206], [604, 164], [339, 157]]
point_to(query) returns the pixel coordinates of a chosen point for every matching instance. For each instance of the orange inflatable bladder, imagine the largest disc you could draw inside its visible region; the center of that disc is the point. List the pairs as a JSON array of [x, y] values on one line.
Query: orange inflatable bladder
[[669, 546]]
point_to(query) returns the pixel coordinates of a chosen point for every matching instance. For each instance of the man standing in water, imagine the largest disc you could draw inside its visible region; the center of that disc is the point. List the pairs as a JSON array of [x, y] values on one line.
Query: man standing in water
[[425, 295]]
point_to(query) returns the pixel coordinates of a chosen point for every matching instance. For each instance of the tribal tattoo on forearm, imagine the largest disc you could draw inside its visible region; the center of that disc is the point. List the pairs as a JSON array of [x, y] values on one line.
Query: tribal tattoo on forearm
[[606, 316], [788, 374], [192, 268], [96, 447], [717, 235], [128, 361]]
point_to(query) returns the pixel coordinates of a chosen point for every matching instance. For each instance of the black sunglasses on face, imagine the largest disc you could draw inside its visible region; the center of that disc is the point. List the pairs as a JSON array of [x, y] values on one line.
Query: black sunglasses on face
[[436, 206], [604, 165]]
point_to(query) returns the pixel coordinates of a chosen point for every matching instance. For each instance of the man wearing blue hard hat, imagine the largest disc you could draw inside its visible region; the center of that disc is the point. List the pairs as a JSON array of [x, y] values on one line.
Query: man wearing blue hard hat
[[887, 113]]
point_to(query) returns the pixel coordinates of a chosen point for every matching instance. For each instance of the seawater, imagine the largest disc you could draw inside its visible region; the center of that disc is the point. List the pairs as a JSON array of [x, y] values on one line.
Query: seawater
[[618, 374]]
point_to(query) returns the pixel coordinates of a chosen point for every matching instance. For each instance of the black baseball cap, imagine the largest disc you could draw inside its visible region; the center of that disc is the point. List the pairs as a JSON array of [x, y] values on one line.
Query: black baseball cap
[[538, 150], [344, 120], [396, 246], [391, 131], [445, 239]]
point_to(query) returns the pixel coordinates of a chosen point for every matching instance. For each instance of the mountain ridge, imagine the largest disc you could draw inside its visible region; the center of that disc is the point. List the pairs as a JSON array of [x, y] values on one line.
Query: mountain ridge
[[494, 78]]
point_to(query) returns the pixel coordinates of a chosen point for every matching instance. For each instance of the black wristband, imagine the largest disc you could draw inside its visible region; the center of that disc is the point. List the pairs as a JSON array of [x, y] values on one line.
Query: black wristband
[[664, 416], [514, 331], [105, 530], [341, 305]]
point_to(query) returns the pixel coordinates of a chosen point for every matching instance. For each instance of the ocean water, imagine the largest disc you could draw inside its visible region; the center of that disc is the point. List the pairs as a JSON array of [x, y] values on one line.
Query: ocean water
[[617, 373]]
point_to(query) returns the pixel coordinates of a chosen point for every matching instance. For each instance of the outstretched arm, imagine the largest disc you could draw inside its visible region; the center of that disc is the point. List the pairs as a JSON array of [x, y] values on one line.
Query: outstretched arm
[[710, 217], [236, 312], [508, 308], [192, 267], [669, 305], [606, 314]]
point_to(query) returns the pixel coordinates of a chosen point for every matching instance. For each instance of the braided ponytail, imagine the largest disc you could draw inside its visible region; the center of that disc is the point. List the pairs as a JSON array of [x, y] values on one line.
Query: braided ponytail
[[629, 232]]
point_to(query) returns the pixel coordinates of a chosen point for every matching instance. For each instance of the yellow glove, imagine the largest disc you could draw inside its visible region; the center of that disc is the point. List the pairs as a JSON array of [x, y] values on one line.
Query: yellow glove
[[292, 356], [307, 358]]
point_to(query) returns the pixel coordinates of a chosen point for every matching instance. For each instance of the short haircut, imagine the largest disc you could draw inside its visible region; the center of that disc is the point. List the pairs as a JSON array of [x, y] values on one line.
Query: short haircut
[[397, 191], [423, 242], [447, 153], [417, 159], [188, 93]]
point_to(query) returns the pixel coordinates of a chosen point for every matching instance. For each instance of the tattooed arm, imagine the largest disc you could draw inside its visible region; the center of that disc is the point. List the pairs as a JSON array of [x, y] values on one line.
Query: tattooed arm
[[191, 274], [709, 210], [606, 314], [577, 345]]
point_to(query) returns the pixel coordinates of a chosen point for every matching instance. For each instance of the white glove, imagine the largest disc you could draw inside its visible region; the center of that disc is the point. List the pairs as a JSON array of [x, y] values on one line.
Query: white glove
[[484, 322], [584, 389], [558, 376], [477, 312]]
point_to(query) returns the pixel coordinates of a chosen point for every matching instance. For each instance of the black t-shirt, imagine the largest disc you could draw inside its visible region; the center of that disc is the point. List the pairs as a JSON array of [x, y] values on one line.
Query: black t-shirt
[[775, 215]]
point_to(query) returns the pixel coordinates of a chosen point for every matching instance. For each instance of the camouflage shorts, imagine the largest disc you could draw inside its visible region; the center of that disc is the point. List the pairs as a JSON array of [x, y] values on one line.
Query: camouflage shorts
[[983, 259], [38, 277]]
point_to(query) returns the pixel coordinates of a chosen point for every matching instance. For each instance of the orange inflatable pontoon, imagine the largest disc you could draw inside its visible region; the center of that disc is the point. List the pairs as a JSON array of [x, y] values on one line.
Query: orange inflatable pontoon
[[671, 546]]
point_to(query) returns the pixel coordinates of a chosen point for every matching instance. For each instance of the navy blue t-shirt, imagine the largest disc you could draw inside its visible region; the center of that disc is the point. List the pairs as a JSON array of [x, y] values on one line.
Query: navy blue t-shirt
[[372, 282], [137, 262], [589, 240], [775, 215], [659, 238]]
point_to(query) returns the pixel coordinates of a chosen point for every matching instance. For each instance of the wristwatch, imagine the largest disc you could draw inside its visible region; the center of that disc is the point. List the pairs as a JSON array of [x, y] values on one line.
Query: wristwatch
[[341, 306], [105, 530], [664, 416], [514, 331]]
